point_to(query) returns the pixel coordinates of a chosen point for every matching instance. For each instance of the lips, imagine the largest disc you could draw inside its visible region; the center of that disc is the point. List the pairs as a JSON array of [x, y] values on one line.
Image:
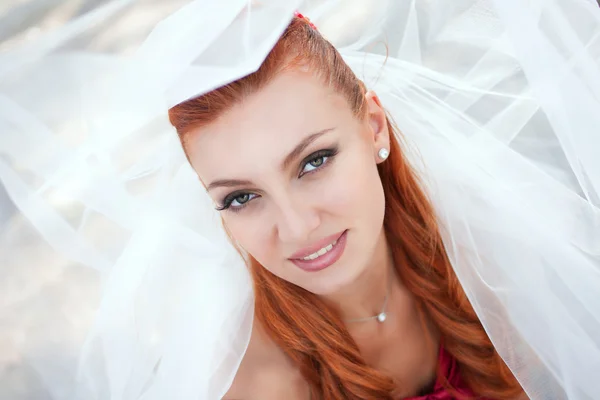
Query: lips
[[328, 250], [307, 251]]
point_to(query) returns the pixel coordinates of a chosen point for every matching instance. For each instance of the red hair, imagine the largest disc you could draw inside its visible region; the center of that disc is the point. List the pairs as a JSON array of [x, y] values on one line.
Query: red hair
[[310, 333]]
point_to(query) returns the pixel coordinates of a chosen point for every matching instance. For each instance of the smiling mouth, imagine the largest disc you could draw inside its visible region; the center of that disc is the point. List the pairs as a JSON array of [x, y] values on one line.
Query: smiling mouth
[[323, 257], [320, 252]]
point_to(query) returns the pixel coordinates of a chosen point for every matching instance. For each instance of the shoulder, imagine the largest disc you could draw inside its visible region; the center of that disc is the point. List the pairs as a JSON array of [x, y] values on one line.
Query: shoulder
[[265, 371]]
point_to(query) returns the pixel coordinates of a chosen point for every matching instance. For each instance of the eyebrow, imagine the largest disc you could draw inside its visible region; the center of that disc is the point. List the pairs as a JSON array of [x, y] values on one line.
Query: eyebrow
[[300, 147], [295, 153]]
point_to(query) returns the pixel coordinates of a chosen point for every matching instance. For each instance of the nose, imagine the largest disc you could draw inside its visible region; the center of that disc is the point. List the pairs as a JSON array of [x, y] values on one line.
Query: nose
[[296, 220]]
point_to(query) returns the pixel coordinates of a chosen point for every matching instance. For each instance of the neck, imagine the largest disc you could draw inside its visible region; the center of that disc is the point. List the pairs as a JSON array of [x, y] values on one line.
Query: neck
[[365, 296]]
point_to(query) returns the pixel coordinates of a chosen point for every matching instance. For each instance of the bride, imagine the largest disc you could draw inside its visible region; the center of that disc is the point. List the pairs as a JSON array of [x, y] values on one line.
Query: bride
[[407, 202], [354, 291]]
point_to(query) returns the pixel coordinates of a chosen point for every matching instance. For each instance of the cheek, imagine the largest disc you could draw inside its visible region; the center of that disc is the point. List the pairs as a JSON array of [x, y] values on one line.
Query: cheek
[[354, 190], [252, 237]]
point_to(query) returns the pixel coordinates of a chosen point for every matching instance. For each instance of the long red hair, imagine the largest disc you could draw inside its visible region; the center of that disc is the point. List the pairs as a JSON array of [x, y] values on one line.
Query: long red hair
[[310, 333]]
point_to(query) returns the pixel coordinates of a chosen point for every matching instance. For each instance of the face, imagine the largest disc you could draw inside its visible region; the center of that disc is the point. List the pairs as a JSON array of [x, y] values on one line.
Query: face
[[294, 175]]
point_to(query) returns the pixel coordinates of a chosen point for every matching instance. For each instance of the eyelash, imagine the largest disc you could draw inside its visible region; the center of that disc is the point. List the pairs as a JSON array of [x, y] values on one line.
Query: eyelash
[[326, 155]]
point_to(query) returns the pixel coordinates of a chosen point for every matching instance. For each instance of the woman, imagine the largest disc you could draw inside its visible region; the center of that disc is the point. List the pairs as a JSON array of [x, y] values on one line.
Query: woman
[[354, 291], [417, 219]]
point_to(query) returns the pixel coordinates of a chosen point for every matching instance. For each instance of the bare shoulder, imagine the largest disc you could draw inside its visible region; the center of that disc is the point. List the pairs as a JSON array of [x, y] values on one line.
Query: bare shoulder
[[266, 373]]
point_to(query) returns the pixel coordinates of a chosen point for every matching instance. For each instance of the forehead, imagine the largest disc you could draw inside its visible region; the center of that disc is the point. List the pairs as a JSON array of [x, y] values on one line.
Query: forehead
[[265, 126]]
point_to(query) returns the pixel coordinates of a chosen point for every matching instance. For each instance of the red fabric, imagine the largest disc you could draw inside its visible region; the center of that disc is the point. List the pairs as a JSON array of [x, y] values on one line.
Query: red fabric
[[449, 368], [297, 14]]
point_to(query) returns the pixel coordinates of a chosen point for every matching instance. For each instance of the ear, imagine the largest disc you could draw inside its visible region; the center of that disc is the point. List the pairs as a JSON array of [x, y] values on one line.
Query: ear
[[378, 124]]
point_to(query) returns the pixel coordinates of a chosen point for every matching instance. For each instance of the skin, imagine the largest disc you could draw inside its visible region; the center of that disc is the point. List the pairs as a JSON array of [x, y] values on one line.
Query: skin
[[287, 209]]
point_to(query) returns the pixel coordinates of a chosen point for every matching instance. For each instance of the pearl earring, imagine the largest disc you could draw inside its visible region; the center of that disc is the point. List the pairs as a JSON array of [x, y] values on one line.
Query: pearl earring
[[384, 153]]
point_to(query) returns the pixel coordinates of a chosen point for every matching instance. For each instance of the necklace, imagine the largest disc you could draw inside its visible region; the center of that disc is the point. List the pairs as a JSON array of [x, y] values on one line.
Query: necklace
[[382, 316]]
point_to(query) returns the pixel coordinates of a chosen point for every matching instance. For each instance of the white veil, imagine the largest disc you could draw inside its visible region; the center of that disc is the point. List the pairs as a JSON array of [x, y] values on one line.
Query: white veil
[[116, 281]]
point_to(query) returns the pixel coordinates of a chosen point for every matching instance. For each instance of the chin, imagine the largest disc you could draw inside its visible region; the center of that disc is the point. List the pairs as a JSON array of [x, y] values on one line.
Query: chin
[[344, 272], [330, 281]]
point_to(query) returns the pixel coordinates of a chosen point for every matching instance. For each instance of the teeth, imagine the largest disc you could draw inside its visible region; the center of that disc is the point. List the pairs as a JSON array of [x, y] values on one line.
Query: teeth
[[320, 252]]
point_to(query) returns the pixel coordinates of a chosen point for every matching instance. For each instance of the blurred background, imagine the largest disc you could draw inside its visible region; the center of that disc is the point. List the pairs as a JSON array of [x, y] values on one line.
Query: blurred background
[[44, 297]]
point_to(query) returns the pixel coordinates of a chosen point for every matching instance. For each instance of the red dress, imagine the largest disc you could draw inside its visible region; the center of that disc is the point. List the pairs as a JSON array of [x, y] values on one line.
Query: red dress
[[450, 369]]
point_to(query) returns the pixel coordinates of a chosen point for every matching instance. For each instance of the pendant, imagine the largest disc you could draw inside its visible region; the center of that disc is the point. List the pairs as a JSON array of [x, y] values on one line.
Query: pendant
[[381, 317]]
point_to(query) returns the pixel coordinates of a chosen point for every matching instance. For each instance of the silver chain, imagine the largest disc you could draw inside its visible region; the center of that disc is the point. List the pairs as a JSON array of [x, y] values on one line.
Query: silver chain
[[382, 316]]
